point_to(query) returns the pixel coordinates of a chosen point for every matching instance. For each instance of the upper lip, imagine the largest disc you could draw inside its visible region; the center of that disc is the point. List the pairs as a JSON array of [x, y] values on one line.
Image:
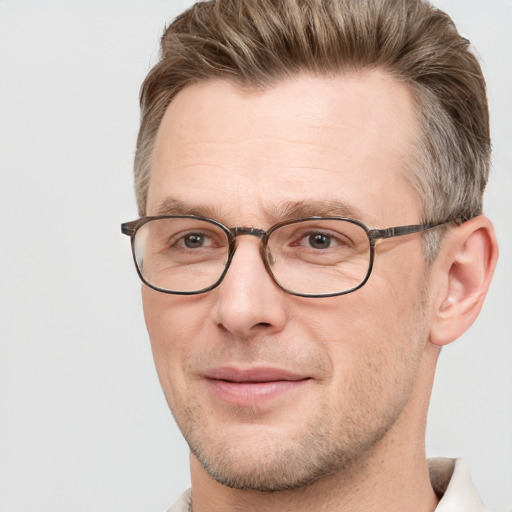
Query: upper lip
[[253, 374]]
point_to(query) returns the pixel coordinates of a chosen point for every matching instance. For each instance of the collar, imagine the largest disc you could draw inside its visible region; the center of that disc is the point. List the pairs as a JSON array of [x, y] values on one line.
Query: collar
[[452, 483]]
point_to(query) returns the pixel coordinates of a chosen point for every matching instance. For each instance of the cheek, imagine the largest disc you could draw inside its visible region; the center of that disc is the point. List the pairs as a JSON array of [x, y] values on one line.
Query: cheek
[[374, 337], [174, 325], [173, 321]]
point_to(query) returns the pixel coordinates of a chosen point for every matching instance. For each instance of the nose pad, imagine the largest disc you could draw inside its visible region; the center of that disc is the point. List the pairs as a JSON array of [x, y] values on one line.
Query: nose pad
[[268, 259]]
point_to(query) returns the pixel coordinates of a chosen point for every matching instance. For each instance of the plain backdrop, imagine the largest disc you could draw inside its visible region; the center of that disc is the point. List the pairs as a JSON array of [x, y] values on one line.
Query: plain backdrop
[[83, 423]]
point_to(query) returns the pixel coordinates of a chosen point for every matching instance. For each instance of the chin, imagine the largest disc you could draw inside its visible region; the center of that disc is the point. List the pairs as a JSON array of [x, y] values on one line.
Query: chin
[[268, 461], [265, 472]]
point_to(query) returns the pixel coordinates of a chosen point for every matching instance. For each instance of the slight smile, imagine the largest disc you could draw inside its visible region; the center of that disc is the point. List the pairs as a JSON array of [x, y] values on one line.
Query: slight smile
[[253, 386]]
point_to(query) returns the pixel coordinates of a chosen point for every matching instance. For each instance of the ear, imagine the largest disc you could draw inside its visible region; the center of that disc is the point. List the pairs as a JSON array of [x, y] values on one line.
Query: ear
[[461, 276]]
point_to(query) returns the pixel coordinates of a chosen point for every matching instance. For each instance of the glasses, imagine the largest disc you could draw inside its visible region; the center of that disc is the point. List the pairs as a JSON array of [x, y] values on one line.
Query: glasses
[[308, 257]]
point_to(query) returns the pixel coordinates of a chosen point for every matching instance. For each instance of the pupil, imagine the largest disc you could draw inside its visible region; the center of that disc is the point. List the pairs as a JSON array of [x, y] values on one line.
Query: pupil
[[319, 241], [193, 241]]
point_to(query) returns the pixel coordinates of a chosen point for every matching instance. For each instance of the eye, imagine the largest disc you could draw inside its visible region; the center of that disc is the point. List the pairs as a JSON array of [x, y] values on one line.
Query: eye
[[322, 240], [195, 240], [319, 241]]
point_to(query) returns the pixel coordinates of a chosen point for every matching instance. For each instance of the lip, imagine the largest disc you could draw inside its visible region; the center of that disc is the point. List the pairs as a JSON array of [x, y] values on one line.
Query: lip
[[254, 386]]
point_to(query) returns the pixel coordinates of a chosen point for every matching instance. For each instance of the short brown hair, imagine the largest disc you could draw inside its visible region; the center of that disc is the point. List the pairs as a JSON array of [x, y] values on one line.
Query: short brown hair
[[256, 43]]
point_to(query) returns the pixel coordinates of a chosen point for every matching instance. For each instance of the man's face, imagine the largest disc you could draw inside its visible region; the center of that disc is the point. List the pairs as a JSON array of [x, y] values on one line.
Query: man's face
[[271, 390]]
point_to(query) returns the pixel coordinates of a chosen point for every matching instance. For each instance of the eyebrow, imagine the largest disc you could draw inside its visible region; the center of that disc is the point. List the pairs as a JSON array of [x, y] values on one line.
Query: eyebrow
[[173, 206], [283, 211], [296, 209]]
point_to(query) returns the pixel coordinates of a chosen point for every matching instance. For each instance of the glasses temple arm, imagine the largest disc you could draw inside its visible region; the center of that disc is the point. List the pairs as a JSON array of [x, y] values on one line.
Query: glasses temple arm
[[128, 228], [375, 234]]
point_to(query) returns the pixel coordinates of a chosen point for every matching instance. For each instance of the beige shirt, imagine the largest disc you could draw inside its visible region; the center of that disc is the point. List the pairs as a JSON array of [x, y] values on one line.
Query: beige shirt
[[450, 479]]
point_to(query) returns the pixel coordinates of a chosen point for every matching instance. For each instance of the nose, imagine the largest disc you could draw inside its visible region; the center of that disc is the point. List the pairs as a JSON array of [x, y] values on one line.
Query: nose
[[248, 301]]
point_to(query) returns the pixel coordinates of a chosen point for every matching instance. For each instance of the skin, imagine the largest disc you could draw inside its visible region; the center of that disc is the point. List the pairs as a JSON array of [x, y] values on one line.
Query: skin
[[349, 433]]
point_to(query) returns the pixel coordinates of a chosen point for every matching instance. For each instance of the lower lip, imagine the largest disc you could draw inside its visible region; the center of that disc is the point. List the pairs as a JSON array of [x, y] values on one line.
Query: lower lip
[[250, 394]]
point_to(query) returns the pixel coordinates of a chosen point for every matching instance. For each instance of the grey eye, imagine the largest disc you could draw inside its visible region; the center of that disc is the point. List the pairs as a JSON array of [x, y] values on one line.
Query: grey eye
[[319, 241], [193, 241]]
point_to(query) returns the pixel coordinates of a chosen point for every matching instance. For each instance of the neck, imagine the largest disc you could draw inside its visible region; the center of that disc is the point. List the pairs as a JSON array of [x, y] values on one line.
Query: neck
[[392, 476]]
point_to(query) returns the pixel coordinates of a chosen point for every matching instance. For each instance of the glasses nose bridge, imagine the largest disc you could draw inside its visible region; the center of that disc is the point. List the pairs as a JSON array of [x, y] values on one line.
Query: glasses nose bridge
[[258, 233]]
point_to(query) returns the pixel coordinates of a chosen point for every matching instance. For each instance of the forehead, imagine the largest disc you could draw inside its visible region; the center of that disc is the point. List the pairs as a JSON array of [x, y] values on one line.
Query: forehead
[[342, 139]]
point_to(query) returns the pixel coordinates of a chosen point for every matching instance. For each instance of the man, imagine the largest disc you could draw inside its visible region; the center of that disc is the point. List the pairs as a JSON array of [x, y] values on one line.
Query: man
[[309, 177]]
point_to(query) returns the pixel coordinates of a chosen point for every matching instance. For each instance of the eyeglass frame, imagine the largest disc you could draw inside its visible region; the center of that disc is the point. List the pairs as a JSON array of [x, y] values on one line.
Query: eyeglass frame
[[130, 229]]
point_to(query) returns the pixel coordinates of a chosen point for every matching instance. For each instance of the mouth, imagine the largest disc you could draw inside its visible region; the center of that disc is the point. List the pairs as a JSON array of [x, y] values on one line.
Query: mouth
[[253, 386]]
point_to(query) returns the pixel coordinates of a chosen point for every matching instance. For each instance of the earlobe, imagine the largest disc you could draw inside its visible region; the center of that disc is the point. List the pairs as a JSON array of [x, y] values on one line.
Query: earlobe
[[463, 273]]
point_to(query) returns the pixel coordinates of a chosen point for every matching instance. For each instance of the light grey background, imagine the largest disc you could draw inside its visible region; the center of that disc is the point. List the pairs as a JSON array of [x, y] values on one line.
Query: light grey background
[[83, 423]]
